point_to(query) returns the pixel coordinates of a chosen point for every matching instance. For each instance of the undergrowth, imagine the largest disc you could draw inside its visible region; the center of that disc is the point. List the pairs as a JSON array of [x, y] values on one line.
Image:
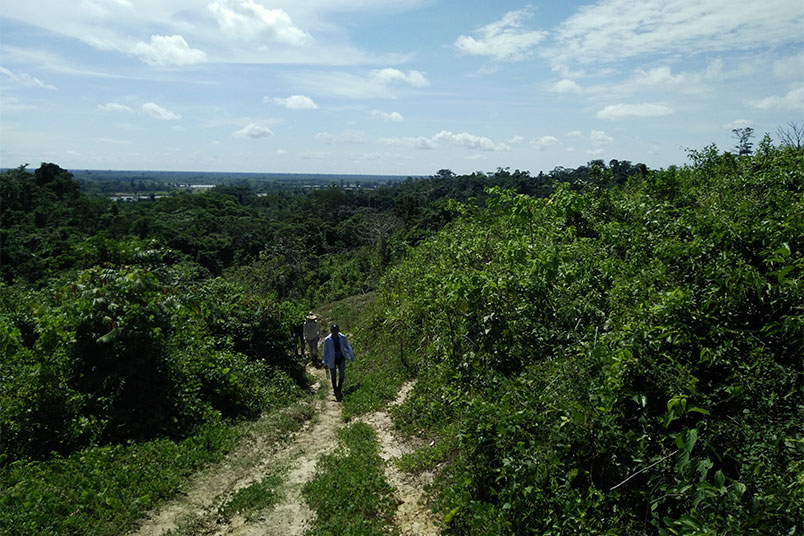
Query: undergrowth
[[103, 491]]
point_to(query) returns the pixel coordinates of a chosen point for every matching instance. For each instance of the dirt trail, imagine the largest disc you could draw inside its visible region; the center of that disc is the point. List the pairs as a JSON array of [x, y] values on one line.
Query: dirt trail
[[250, 462], [413, 517], [196, 512]]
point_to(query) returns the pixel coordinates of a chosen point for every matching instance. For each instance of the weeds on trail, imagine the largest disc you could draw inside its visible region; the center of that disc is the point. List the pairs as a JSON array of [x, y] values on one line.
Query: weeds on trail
[[254, 498], [371, 382], [349, 492]]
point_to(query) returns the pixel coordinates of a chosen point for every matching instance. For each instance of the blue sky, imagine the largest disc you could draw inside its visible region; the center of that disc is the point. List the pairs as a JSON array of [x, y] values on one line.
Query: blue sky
[[379, 87]]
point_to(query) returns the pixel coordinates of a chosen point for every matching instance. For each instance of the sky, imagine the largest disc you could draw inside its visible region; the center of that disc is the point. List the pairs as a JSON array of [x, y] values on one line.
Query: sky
[[402, 87]]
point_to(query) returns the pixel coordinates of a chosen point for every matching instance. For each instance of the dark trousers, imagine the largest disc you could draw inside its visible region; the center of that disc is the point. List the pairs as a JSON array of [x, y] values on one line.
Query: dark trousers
[[341, 369]]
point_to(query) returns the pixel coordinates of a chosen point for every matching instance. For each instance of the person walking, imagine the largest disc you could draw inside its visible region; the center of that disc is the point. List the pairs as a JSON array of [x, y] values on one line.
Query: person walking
[[337, 351], [311, 335], [297, 332]]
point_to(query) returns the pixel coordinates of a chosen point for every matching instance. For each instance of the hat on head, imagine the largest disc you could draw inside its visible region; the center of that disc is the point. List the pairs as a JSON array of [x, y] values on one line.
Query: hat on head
[[334, 327]]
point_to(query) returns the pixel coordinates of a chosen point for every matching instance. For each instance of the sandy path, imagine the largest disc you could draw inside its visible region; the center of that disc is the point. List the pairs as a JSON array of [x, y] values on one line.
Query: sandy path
[[248, 463], [196, 512], [413, 517]]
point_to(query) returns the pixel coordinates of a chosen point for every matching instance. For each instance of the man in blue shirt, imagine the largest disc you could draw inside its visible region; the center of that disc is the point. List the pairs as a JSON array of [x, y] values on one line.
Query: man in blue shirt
[[337, 351]]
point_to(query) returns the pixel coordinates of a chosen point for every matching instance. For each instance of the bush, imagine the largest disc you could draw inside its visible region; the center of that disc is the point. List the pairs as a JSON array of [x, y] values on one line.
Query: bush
[[623, 359], [120, 354]]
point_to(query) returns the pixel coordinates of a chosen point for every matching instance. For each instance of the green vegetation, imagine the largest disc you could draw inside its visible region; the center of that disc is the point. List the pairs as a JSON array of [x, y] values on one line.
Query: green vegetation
[[349, 492], [618, 360], [608, 349], [252, 499]]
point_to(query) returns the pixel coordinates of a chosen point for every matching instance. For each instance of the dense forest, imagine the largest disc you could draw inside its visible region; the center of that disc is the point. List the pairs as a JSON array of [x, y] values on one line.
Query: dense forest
[[604, 350]]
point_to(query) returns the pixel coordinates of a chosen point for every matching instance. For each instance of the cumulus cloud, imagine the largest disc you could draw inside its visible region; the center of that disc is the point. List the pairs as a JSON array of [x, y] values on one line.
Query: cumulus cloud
[[253, 131], [386, 116], [24, 79], [296, 102], [611, 30], [566, 86], [513, 140], [738, 123], [167, 50], [792, 100], [543, 143], [469, 141], [157, 112], [249, 20], [598, 138], [503, 40], [114, 107], [461, 139], [390, 75], [626, 111]]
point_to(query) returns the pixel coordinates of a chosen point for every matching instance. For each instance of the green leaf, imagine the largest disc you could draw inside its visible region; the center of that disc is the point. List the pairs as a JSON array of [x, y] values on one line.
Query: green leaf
[[720, 479]]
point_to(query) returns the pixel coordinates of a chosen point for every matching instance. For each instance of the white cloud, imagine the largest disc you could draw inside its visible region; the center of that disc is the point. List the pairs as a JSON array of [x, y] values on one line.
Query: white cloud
[[611, 30], [347, 137], [575, 134], [598, 138], [625, 111], [167, 50], [469, 141], [542, 143], [503, 40], [738, 123], [249, 20], [24, 79], [114, 107], [395, 117], [157, 112], [461, 139], [659, 76], [296, 102], [253, 131], [390, 75], [376, 84], [513, 140], [792, 100], [567, 86]]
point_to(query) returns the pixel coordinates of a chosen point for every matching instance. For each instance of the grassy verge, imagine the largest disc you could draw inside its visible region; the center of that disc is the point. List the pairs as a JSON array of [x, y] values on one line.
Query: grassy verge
[[105, 490], [349, 492]]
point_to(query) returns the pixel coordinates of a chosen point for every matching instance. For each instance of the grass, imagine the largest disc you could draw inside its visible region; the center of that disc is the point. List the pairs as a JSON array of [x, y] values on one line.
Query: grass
[[253, 499], [349, 492], [103, 491], [427, 458]]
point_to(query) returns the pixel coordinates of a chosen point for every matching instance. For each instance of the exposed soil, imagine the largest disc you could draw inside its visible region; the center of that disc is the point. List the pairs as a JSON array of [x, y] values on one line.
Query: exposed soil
[[196, 511], [413, 517]]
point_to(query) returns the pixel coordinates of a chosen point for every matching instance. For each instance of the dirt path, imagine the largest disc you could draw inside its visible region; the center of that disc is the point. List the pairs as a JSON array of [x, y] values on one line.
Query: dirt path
[[413, 517], [196, 512]]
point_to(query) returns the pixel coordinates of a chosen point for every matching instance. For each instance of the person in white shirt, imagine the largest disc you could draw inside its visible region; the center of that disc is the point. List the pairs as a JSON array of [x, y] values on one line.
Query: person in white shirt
[[337, 351], [311, 336]]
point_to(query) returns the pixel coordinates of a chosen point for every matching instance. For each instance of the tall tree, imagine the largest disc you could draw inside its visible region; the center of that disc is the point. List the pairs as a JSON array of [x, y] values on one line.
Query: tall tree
[[743, 136]]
